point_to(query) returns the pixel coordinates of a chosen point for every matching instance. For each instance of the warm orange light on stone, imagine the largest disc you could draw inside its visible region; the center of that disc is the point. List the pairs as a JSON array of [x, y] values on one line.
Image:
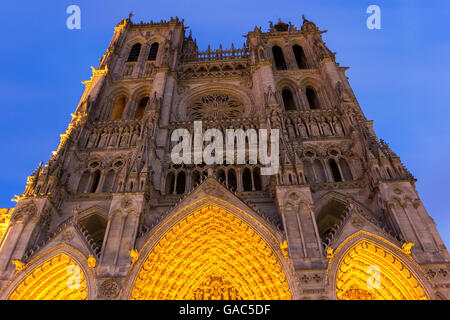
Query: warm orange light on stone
[[395, 280], [5, 215], [58, 278], [211, 254]]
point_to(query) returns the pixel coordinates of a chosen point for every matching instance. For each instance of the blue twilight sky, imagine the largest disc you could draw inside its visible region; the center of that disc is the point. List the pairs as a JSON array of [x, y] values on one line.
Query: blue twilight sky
[[400, 74]]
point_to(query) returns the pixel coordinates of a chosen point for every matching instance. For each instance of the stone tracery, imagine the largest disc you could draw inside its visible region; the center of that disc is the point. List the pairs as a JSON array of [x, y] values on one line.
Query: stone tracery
[[215, 106]]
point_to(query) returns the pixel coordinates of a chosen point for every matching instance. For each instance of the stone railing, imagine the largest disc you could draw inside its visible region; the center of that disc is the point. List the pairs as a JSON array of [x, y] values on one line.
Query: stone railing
[[214, 55]]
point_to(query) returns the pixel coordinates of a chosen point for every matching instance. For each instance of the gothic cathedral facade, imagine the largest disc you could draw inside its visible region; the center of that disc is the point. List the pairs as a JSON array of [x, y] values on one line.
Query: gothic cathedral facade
[[111, 216]]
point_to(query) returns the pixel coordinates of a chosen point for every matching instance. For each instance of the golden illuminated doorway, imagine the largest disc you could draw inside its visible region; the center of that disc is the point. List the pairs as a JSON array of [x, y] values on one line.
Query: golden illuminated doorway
[[57, 278], [370, 271], [211, 254]]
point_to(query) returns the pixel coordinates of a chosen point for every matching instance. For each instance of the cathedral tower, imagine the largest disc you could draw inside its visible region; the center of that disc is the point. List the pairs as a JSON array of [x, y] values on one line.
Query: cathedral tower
[[111, 216]]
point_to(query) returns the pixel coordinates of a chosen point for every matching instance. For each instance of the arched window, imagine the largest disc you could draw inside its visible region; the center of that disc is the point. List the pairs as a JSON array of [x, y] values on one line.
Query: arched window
[[257, 179], [247, 180], [378, 172], [278, 56], [119, 107], [309, 173], [288, 99], [221, 175], [83, 182], [195, 178], [232, 182], [335, 170], [319, 171], [95, 225], [389, 173], [109, 181], [181, 182], [170, 183], [329, 216], [95, 180], [345, 170], [290, 179], [311, 95], [299, 56], [141, 107], [153, 52], [134, 52]]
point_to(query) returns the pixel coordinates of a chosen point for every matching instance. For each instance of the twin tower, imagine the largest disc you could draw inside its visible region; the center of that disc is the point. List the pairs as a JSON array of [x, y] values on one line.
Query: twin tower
[[111, 216]]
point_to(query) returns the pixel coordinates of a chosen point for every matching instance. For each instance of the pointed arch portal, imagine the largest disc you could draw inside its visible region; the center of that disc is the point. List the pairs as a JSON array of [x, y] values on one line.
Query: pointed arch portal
[[57, 278], [210, 254], [369, 271]]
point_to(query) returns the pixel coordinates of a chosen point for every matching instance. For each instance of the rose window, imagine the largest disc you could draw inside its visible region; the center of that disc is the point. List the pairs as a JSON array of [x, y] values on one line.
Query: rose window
[[216, 106]]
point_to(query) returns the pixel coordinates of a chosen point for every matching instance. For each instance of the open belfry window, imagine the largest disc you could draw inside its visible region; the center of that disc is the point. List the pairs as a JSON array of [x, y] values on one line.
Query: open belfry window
[[313, 101], [141, 107], [278, 57], [288, 99], [153, 52], [300, 56], [134, 52]]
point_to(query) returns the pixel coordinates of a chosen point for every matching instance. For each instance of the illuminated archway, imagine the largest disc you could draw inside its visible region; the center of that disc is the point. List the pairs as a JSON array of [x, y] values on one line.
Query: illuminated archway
[[370, 271], [58, 278], [211, 253]]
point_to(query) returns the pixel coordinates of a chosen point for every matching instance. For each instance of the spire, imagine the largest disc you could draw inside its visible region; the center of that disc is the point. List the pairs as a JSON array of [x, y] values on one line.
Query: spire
[[37, 172], [308, 25], [130, 15], [387, 150]]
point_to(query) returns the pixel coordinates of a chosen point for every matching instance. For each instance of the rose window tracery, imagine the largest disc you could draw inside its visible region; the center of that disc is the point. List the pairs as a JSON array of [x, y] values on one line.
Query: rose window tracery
[[216, 106]]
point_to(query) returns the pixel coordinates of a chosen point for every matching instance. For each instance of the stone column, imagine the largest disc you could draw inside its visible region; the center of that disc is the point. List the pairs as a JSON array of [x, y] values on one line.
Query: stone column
[[304, 243], [412, 220], [17, 237], [163, 85], [430, 226], [123, 223]]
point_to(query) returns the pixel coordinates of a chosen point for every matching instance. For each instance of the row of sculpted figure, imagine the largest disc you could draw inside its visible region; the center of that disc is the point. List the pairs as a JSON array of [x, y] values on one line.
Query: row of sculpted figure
[[314, 127], [113, 137]]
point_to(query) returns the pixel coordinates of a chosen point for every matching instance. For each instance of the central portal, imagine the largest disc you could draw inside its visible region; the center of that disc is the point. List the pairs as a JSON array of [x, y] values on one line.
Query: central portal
[[211, 253]]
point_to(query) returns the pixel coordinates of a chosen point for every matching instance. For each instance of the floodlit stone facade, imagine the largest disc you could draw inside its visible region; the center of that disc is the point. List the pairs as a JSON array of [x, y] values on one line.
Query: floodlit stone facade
[[111, 216]]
